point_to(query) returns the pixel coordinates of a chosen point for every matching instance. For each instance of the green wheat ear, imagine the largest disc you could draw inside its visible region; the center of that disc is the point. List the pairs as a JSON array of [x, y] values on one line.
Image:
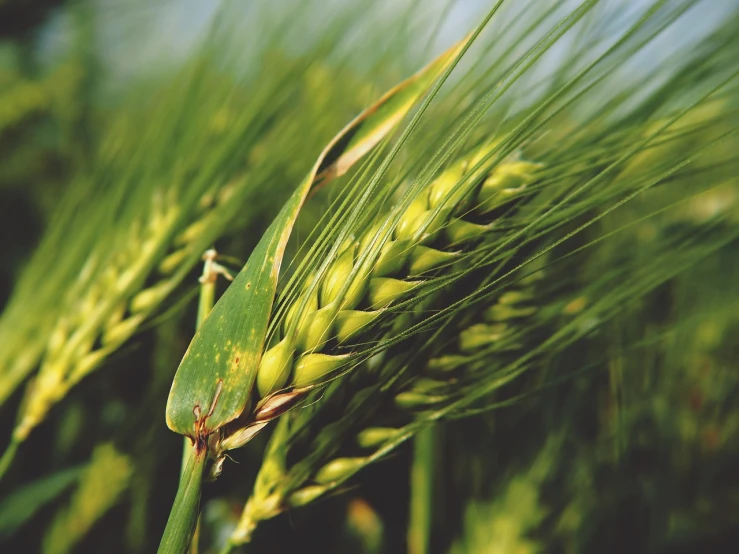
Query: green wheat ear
[[346, 314], [218, 373]]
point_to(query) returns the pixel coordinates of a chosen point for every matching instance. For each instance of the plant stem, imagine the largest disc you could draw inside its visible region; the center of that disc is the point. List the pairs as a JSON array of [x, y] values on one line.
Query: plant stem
[[207, 288], [205, 305], [422, 491], [184, 515], [8, 456]]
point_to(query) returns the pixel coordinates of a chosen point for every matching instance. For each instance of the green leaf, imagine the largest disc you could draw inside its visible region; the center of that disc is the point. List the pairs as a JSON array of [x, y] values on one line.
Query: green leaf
[[216, 376], [22, 505]]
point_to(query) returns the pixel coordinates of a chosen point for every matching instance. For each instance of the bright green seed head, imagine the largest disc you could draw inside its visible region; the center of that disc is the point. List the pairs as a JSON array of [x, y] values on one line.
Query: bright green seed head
[[316, 330], [148, 298], [376, 436], [514, 297], [173, 261], [392, 258], [460, 230], [437, 222], [444, 185], [311, 305], [446, 363], [336, 276], [448, 189], [339, 469], [409, 400], [306, 495], [310, 369], [505, 182], [482, 151], [425, 259], [369, 236], [119, 332], [413, 218], [384, 291], [350, 323], [274, 368], [426, 385]]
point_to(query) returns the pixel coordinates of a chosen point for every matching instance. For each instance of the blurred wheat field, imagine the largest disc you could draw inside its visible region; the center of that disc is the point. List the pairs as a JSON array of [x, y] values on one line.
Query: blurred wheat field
[[408, 277]]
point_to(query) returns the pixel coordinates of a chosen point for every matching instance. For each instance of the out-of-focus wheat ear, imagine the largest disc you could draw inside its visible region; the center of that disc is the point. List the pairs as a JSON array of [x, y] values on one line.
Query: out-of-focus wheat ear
[[108, 312], [100, 485]]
